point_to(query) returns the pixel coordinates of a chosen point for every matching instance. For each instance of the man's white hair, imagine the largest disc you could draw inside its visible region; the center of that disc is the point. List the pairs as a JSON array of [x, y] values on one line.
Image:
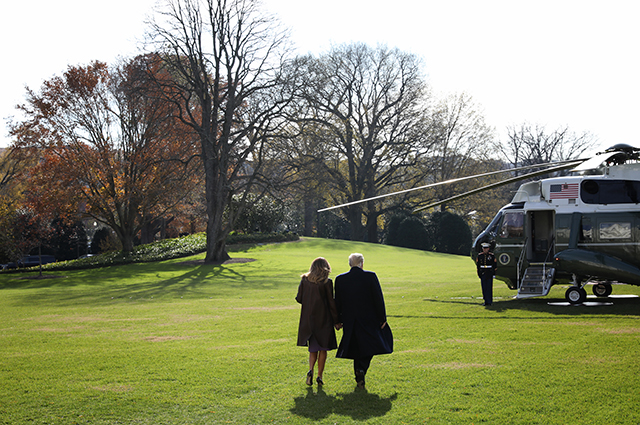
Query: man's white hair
[[356, 259]]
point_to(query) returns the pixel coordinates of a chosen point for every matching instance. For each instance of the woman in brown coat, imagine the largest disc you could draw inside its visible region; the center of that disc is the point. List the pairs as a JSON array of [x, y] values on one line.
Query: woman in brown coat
[[318, 316]]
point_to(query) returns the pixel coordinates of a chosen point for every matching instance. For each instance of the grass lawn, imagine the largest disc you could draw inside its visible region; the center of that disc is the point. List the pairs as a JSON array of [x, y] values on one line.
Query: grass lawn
[[186, 343]]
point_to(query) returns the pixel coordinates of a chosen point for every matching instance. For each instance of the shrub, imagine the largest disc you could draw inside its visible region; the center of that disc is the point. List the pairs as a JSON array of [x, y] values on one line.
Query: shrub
[[262, 215], [394, 232], [412, 233], [332, 226], [448, 233], [164, 250]]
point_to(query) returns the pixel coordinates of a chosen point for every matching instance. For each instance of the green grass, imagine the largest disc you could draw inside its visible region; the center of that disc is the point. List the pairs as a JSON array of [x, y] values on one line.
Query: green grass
[[165, 249], [174, 343]]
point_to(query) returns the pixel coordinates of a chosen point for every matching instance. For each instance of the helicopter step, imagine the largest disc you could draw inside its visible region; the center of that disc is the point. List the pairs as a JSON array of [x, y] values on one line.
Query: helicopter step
[[536, 281]]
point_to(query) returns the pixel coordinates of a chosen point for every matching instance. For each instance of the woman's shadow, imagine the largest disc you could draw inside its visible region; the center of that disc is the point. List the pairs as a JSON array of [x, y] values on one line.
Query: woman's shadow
[[359, 405]]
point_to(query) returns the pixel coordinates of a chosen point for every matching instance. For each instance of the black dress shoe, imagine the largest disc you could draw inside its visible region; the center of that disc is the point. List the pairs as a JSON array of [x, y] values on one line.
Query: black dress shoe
[[310, 377]]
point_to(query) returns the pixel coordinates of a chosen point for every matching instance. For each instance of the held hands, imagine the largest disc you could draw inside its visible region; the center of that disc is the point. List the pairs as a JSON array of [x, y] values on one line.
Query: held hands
[[338, 326]]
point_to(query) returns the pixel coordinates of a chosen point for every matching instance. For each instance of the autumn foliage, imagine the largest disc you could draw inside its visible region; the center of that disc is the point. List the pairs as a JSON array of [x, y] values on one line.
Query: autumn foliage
[[108, 147]]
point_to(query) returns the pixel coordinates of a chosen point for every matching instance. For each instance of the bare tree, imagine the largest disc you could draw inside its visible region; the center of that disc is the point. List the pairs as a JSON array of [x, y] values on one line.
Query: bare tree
[[460, 138], [530, 145], [370, 104], [301, 156], [225, 56]]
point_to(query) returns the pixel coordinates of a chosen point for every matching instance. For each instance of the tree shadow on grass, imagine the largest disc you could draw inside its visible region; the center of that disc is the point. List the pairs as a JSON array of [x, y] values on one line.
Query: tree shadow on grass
[[121, 283], [359, 405], [620, 305], [102, 275]]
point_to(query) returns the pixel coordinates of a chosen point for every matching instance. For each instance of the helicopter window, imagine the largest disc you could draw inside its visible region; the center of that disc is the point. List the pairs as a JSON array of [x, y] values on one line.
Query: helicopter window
[[563, 228], [492, 228], [610, 191], [591, 187], [615, 230], [587, 231], [512, 225]]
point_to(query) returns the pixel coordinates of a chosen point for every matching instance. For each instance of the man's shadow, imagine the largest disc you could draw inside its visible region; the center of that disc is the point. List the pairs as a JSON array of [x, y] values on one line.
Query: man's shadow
[[359, 405]]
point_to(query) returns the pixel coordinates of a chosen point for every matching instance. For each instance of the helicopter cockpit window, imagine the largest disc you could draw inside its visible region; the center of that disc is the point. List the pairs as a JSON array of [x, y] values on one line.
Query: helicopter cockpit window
[[512, 225], [617, 230], [610, 192]]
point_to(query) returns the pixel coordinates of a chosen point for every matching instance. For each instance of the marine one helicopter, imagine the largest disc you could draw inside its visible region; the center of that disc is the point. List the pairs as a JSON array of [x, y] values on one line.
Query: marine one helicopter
[[576, 229]]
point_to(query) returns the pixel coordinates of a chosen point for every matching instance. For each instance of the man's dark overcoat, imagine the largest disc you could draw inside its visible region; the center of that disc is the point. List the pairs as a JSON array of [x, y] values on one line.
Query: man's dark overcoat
[[318, 314], [362, 311]]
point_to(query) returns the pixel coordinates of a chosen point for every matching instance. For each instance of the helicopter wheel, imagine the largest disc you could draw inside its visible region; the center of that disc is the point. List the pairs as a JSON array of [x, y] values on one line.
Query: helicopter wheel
[[576, 295], [602, 290]]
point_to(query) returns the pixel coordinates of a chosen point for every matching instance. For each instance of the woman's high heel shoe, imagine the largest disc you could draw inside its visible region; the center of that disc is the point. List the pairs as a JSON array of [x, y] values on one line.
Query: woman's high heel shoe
[[310, 377], [319, 381]]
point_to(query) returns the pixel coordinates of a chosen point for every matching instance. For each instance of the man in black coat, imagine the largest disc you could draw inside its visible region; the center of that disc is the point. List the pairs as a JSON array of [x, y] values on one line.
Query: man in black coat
[[363, 316]]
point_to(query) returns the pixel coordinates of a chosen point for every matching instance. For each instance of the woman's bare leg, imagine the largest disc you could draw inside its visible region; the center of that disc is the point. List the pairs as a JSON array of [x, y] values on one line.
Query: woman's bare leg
[[312, 362], [322, 359]]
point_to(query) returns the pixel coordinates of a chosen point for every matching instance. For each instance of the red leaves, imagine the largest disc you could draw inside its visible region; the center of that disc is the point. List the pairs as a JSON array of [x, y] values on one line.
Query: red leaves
[[109, 141]]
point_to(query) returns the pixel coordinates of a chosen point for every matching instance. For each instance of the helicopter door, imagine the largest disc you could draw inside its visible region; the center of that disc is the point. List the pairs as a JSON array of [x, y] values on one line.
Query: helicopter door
[[541, 237]]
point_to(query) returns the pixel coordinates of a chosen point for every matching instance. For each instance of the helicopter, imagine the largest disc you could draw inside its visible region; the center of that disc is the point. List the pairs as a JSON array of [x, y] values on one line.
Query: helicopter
[[576, 229]]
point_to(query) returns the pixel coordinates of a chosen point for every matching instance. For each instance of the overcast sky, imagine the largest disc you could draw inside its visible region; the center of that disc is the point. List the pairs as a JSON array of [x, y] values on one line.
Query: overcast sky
[[553, 63]]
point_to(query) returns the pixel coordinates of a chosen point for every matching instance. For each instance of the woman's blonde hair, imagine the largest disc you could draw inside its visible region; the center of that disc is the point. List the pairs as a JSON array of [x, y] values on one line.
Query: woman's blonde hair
[[319, 271]]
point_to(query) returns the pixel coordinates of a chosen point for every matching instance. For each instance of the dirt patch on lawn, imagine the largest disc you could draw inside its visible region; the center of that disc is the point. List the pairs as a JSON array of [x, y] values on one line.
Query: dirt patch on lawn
[[459, 365], [217, 263], [167, 338], [44, 276]]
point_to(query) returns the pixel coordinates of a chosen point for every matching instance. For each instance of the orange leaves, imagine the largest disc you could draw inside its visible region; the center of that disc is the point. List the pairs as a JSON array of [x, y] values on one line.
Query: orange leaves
[[84, 79], [49, 190], [107, 141]]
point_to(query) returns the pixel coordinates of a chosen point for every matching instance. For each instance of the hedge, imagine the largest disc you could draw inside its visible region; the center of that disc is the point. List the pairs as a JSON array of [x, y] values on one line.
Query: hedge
[[161, 250]]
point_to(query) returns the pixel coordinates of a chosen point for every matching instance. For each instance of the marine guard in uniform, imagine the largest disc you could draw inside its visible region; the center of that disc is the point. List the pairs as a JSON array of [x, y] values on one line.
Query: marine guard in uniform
[[487, 265]]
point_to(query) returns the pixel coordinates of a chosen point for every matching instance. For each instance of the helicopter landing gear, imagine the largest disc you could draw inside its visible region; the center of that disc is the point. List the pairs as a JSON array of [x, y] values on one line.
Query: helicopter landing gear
[[602, 289], [576, 295]]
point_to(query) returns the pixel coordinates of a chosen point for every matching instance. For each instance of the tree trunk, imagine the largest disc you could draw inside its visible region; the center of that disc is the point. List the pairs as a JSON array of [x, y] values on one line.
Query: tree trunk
[[216, 240], [216, 195], [355, 220], [372, 217], [218, 252], [309, 214], [372, 229], [127, 243], [148, 232]]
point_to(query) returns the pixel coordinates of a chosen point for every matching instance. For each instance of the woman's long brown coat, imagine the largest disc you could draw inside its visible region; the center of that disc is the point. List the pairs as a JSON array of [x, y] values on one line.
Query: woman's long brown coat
[[318, 314]]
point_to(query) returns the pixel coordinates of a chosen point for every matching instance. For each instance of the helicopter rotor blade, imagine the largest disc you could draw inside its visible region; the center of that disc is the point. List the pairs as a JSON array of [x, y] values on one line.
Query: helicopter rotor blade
[[500, 183], [527, 167]]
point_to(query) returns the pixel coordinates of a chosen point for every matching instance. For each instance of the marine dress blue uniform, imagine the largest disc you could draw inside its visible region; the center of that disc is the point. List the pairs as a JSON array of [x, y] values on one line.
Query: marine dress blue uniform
[[487, 265]]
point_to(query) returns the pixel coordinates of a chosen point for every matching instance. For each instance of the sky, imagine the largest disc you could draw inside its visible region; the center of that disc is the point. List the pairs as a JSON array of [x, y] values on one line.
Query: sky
[[552, 63]]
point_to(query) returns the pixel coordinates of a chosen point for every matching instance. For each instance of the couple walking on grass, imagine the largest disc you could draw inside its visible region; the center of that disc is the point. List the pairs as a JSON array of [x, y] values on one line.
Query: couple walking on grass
[[357, 308]]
